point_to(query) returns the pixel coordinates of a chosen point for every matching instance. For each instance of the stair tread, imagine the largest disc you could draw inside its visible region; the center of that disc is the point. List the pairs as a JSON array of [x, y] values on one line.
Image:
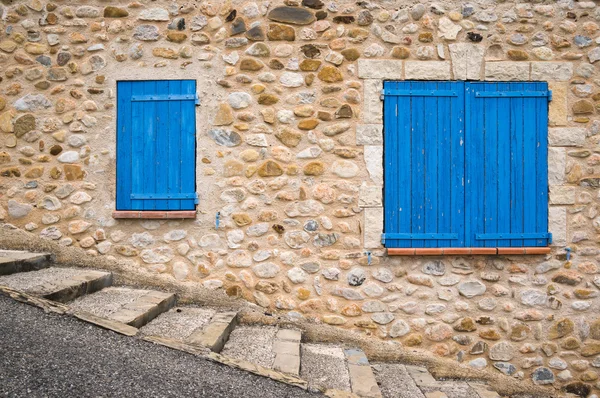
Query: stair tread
[[324, 367], [178, 323], [453, 389], [131, 306], [47, 280], [15, 255], [394, 381], [253, 344]]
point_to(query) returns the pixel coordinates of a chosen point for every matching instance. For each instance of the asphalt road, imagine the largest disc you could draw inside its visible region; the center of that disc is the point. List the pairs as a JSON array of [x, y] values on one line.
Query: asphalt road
[[47, 355]]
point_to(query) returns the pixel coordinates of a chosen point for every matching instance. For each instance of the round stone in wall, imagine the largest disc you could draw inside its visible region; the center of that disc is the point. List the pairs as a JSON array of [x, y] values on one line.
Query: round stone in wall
[[356, 277], [471, 288]]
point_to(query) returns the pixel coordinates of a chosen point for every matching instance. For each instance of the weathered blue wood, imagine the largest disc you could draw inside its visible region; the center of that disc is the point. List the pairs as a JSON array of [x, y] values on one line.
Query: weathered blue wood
[[433, 92], [430, 173], [162, 142], [137, 142], [424, 236], [393, 203], [513, 94], [516, 175], [156, 145], [188, 144], [541, 169], [457, 149], [124, 148], [505, 236], [491, 165], [443, 183], [418, 162], [529, 162], [504, 162]]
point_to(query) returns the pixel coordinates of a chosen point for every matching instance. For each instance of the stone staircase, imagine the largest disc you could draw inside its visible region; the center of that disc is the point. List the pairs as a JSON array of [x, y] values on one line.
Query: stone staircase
[[279, 353]]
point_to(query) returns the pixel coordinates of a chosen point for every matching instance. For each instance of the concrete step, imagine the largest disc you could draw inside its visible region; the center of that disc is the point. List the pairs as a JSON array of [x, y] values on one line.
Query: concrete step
[[267, 346], [362, 380], [324, 367], [433, 388], [395, 381], [58, 284], [12, 261], [134, 307], [216, 333]]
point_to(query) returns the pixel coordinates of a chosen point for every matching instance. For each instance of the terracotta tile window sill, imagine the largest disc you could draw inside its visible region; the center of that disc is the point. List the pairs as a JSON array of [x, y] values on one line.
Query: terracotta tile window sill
[[466, 251], [154, 214]]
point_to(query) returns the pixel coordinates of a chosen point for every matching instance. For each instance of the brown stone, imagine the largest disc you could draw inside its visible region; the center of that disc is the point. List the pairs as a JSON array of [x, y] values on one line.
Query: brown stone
[[518, 55], [426, 37], [351, 54], [590, 349], [256, 33], [176, 37], [315, 168], [583, 107], [561, 328], [234, 291], [73, 172], [570, 343], [224, 115], [413, 340], [270, 168], [490, 334], [291, 15], [330, 74], [268, 99], [345, 19], [567, 277], [163, 52], [310, 65], [34, 172], [2, 103], [308, 124], [281, 32], [310, 51], [115, 12], [595, 329], [4, 157], [289, 137], [251, 64], [241, 219], [465, 325], [10, 172], [24, 124], [519, 332]]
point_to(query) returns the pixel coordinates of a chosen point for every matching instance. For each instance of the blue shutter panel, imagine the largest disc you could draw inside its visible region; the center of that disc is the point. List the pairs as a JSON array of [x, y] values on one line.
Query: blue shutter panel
[[156, 145], [424, 164], [465, 164], [506, 158]]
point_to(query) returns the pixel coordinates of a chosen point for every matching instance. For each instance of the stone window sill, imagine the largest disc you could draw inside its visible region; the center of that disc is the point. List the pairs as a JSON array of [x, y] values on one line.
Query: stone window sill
[[465, 251], [154, 214]]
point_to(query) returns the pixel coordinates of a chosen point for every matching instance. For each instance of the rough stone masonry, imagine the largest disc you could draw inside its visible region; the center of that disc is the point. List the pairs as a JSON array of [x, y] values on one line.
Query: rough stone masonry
[[289, 151]]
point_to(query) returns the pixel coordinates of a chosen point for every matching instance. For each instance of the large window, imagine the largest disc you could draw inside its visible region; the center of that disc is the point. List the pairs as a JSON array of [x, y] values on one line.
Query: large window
[[156, 145], [466, 164]]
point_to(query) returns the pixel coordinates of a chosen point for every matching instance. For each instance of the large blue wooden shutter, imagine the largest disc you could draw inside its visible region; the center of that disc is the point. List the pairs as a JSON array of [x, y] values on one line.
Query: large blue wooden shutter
[[424, 164], [156, 148], [466, 164], [506, 158]]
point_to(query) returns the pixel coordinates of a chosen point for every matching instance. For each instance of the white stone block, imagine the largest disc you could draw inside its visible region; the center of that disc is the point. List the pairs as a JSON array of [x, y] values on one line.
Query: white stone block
[[551, 71], [427, 70], [566, 136], [370, 196], [507, 71], [373, 227], [379, 69], [369, 134], [467, 60], [373, 109], [557, 163], [562, 195], [557, 225], [374, 161]]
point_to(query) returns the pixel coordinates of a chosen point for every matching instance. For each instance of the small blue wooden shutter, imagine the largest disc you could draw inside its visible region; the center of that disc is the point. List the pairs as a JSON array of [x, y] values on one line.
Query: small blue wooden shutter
[[465, 164], [156, 146], [507, 158], [424, 164]]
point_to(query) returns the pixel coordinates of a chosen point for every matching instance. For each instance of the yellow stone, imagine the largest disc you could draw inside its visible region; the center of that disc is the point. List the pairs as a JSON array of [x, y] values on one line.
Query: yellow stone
[[270, 168], [310, 65], [241, 219], [176, 37], [308, 124], [36, 48], [330, 74], [257, 88], [6, 123], [558, 110], [224, 115], [315, 168], [303, 293], [34, 172], [8, 46], [249, 155], [163, 52]]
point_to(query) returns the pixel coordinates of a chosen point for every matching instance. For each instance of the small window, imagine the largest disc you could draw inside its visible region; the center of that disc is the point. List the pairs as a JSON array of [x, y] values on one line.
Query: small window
[[466, 164], [156, 145]]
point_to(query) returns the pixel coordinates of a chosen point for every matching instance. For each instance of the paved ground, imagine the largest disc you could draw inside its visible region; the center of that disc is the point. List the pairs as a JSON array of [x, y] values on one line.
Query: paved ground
[[46, 355]]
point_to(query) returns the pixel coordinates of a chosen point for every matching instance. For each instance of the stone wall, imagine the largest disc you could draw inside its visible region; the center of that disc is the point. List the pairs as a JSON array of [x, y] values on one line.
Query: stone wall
[[289, 152]]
